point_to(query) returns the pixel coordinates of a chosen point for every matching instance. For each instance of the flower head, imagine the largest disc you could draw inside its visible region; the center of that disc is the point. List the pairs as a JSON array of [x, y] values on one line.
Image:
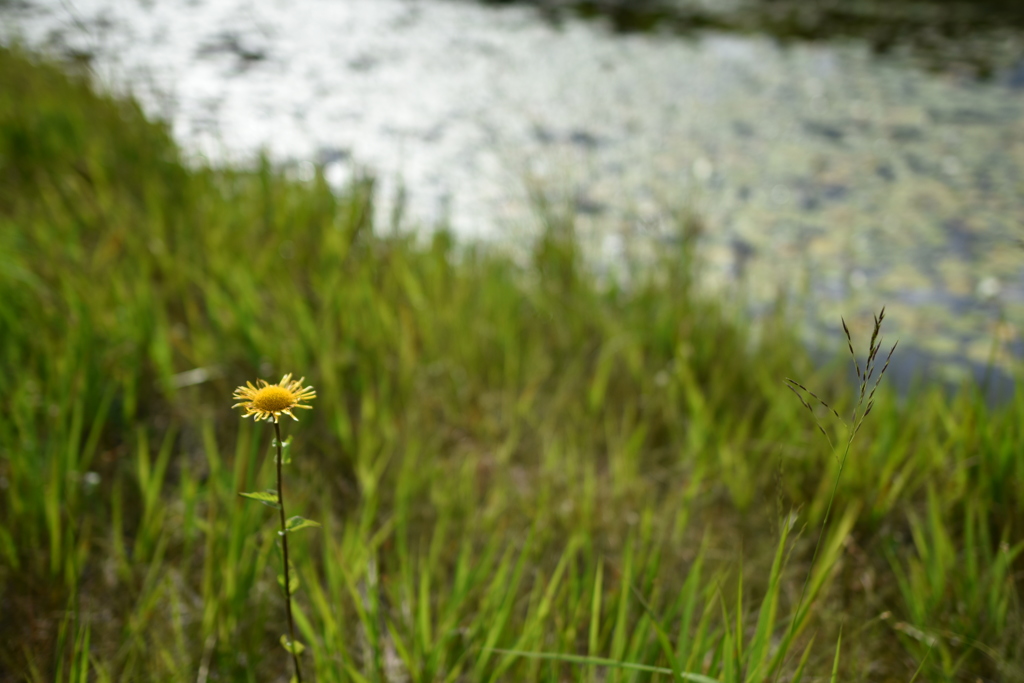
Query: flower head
[[267, 401]]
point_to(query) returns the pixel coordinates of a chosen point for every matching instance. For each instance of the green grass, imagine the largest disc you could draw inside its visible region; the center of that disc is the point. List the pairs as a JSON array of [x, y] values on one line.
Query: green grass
[[524, 471]]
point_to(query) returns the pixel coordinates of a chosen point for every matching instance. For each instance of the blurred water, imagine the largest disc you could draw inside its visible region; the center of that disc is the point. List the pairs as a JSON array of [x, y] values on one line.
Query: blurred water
[[816, 168]]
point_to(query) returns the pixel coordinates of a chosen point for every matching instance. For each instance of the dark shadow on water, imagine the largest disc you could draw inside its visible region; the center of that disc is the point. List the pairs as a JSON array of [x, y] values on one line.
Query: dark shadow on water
[[968, 36]]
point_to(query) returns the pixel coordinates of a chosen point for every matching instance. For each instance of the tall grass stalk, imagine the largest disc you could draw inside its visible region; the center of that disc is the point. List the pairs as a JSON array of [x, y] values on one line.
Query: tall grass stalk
[[862, 408]]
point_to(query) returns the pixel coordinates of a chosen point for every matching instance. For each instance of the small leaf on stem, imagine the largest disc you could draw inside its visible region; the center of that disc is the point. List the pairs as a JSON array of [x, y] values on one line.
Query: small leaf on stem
[[268, 497], [293, 580], [286, 457], [295, 648], [296, 523]]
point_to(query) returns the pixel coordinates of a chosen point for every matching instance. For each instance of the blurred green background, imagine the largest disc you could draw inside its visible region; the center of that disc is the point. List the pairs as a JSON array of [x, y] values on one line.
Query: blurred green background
[[506, 453]]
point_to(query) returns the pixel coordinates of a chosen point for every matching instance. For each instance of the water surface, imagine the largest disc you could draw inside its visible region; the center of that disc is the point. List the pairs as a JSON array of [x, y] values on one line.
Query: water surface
[[816, 168]]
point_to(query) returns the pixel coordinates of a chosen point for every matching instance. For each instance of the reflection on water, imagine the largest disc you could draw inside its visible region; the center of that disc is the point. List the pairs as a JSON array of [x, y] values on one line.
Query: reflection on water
[[816, 168]]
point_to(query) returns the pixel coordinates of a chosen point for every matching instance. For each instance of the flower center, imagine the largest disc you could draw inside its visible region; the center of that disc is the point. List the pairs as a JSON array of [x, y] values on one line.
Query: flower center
[[273, 399]]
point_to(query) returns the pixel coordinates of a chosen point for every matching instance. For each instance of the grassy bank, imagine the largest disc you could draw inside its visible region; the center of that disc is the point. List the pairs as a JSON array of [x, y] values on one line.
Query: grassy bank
[[505, 455]]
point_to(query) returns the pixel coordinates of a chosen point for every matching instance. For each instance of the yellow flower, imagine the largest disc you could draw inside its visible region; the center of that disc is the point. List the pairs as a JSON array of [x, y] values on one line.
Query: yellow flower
[[267, 401]]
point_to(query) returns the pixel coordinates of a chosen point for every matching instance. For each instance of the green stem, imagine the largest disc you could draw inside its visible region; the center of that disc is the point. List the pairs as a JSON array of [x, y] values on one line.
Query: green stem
[[284, 545], [817, 546]]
